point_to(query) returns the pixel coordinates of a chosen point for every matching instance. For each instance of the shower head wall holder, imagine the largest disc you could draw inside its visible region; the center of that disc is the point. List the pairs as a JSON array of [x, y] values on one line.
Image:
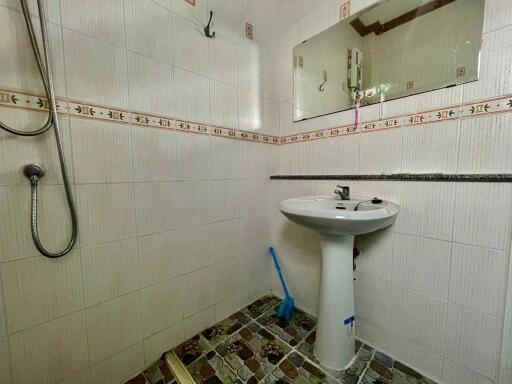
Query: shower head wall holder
[[35, 170]]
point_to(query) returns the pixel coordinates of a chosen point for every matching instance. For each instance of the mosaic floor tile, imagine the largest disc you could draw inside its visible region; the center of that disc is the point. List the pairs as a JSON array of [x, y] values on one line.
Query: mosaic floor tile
[[260, 306], [383, 369], [159, 373]]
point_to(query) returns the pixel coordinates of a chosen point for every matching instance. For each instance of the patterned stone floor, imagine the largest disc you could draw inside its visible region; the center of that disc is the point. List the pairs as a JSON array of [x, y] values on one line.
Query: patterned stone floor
[[254, 346]]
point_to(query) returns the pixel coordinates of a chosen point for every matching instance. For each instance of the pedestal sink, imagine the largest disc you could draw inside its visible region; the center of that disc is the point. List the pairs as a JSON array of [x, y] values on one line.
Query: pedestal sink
[[338, 221]]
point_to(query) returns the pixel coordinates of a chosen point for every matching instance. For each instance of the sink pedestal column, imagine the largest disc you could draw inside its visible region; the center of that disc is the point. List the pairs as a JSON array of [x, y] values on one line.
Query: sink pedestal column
[[335, 338]]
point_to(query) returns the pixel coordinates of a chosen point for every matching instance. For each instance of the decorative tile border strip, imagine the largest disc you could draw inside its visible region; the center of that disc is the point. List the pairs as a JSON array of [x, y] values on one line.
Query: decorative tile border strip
[[20, 100], [470, 178]]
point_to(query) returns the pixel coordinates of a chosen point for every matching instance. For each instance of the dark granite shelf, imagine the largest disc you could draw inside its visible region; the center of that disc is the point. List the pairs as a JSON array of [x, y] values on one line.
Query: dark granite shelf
[[473, 178]]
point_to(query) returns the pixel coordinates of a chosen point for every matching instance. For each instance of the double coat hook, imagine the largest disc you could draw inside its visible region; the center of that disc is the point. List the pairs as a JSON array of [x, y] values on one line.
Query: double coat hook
[[207, 28]]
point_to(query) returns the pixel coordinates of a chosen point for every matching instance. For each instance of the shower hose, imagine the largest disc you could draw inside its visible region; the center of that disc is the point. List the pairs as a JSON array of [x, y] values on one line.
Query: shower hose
[[35, 171]]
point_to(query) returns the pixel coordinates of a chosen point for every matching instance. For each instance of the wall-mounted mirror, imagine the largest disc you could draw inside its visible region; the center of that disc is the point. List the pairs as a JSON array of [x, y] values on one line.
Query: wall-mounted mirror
[[393, 49]]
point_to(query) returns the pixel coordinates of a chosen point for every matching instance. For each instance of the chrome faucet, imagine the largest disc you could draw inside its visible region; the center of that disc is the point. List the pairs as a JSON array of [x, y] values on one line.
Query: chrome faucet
[[343, 192]]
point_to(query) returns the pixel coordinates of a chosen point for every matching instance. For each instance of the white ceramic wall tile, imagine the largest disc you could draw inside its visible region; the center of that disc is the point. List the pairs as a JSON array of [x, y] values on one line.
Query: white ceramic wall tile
[[431, 148], [95, 71], [225, 199], [103, 20], [151, 85], [55, 350], [113, 326], [38, 289], [376, 254], [289, 159], [224, 105], [5, 362], [249, 160], [269, 116], [483, 145], [342, 155], [192, 158], [153, 151], [19, 69], [190, 46], [478, 278], [226, 240], [225, 25], [380, 152], [269, 160], [509, 288], [200, 288], [195, 202], [3, 321], [254, 232], [417, 318], [157, 207], [455, 373], [108, 142], [426, 209], [110, 270], [372, 299], [199, 322], [224, 158], [148, 29], [434, 99], [225, 279], [81, 377], [195, 13], [506, 354], [472, 340], [483, 214], [422, 264], [162, 341], [194, 248], [497, 15], [372, 333], [161, 305], [119, 367], [158, 257], [106, 213], [191, 95], [420, 358], [312, 157], [252, 196], [249, 111]]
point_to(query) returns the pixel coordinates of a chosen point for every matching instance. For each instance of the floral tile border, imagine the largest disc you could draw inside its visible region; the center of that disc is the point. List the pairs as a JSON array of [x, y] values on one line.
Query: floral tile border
[[21, 100]]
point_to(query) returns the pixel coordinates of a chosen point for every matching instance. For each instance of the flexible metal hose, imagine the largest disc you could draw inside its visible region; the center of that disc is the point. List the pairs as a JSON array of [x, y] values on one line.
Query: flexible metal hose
[[47, 78]]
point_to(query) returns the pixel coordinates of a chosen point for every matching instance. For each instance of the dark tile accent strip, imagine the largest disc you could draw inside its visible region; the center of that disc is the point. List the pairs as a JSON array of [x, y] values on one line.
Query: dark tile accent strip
[[471, 178]]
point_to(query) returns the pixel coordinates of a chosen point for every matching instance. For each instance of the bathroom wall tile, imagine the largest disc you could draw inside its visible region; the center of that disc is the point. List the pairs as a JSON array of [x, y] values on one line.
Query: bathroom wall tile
[[431, 148], [81, 377], [162, 342], [110, 270], [225, 199], [224, 13], [509, 288], [506, 354], [38, 289], [434, 99], [162, 305], [472, 340], [494, 77], [153, 151], [5, 362], [422, 264], [342, 155], [253, 232], [197, 13], [101, 64], [157, 207], [380, 152], [483, 145], [455, 373], [371, 333], [252, 196], [148, 29], [192, 160], [106, 213], [223, 60], [19, 70], [248, 70], [269, 78], [151, 85], [289, 159], [372, 299], [119, 367], [482, 214], [113, 326], [312, 158], [224, 158], [269, 116], [55, 350], [269, 160], [199, 322], [191, 95], [249, 160], [159, 257], [376, 254], [478, 278], [16, 151], [103, 20], [497, 15], [55, 225], [417, 318], [225, 279], [226, 240], [200, 290], [3, 320], [249, 111], [194, 247], [195, 204], [414, 355], [111, 162], [426, 209], [190, 46], [224, 105]]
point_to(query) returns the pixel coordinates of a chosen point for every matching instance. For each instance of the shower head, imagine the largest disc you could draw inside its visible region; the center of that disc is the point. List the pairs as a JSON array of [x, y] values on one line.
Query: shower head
[[34, 170]]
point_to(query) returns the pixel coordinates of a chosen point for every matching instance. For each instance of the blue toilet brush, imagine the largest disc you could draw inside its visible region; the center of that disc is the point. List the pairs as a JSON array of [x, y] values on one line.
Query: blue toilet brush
[[287, 306]]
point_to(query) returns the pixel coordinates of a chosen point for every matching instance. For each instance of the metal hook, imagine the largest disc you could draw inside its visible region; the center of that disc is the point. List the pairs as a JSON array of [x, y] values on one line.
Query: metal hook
[[207, 28], [321, 87]]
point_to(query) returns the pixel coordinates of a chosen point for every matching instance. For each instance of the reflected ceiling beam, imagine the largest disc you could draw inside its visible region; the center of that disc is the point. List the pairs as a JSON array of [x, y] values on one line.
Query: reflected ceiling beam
[[379, 28]]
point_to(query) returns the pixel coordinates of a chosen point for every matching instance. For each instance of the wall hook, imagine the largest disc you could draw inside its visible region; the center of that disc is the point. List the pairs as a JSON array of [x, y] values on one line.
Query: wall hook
[[207, 28], [321, 87]]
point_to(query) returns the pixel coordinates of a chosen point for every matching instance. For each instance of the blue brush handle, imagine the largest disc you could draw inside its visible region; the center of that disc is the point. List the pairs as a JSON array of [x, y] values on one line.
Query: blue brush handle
[[278, 269]]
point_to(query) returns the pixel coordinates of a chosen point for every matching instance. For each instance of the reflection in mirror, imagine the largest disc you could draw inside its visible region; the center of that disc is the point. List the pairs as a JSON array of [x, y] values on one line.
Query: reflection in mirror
[[394, 49]]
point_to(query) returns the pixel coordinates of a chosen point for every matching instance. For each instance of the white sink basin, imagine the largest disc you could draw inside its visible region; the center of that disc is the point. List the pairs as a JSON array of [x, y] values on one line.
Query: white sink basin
[[333, 216], [338, 221]]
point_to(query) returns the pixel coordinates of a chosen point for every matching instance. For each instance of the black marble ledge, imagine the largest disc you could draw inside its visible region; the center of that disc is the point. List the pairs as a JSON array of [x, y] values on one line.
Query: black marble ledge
[[472, 178]]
